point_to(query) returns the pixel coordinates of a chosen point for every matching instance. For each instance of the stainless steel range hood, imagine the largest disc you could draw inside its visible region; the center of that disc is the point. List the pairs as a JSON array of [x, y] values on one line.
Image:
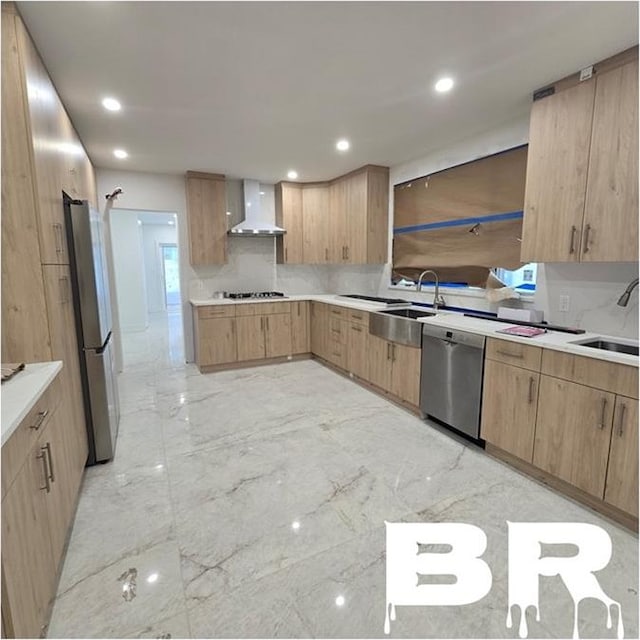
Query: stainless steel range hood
[[254, 224]]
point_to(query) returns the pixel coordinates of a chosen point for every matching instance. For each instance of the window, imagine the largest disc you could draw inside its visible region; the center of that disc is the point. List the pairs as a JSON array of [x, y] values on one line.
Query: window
[[522, 279]]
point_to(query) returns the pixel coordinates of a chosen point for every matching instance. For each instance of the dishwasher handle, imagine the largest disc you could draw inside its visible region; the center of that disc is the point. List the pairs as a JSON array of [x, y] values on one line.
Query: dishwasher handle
[[453, 336]]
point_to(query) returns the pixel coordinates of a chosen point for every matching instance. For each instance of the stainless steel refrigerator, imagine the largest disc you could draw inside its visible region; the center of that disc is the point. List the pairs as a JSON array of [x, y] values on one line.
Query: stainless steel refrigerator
[[92, 307]]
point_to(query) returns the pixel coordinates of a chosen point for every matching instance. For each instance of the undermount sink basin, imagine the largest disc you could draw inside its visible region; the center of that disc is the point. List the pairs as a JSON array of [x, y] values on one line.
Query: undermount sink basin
[[610, 345], [399, 325], [409, 313]]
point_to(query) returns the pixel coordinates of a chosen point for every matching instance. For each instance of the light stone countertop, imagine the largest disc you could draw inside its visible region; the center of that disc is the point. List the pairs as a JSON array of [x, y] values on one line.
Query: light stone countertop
[[21, 392], [556, 340]]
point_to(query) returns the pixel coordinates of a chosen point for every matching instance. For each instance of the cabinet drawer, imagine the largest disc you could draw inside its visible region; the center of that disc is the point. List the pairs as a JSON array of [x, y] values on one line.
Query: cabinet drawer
[[16, 449], [359, 317], [338, 331], [338, 312], [520, 355], [263, 308], [600, 374], [217, 311]]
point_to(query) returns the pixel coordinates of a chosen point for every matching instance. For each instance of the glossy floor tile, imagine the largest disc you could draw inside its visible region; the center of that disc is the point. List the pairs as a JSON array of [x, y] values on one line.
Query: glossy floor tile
[[251, 503]]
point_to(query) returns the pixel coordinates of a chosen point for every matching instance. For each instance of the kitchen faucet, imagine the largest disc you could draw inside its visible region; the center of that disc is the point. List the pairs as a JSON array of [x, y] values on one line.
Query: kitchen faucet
[[438, 300], [624, 298]]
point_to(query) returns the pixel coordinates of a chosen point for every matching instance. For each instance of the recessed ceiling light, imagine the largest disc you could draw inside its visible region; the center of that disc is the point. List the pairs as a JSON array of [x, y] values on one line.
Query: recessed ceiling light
[[342, 145], [292, 175], [120, 153], [111, 104], [443, 85]]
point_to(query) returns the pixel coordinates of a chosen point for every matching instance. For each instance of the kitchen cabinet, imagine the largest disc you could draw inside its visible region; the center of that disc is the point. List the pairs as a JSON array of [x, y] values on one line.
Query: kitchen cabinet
[[581, 196], [337, 351], [405, 373], [315, 224], [358, 351], [206, 218], [251, 337], [319, 329], [621, 488], [288, 201], [573, 432], [379, 362], [277, 335], [215, 341], [300, 329], [509, 405], [338, 227]]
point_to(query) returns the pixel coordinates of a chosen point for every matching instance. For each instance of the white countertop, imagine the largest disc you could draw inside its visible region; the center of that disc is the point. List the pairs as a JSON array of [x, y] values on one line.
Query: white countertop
[[556, 340], [21, 392]]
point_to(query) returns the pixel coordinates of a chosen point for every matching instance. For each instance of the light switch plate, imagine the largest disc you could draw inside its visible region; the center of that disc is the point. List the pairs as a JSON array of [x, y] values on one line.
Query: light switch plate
[[563, 303]]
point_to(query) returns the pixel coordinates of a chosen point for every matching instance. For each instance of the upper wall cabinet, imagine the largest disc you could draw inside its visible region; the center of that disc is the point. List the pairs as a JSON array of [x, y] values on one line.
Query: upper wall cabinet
[[581, 198], [344, 221], [207, 219]]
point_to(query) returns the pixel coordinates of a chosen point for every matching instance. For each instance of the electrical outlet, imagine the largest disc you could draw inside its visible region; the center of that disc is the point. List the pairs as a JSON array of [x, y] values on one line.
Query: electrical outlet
[[563, 303]]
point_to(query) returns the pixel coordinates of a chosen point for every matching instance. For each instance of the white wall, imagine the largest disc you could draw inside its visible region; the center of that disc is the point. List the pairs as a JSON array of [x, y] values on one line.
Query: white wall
[[126, 238], [153, 235]]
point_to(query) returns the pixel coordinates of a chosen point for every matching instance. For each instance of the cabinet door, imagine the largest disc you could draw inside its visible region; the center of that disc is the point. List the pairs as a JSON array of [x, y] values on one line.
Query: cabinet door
[[278, 335], [338, 227], [300, 330], [380, 362], [356, 249], [319, 329], [217, 341], [288, 199], [573, 432], [611, 210], [405, 376], [64, 347], [207, 220], [358, 352], [557, 161], [622, 474], [377, 215], [251, 337], [315, 224], [509, 402], [27, 564]]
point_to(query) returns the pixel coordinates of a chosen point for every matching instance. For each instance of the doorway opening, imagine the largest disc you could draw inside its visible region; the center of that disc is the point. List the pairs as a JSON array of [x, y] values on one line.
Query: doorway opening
[[170, 274]]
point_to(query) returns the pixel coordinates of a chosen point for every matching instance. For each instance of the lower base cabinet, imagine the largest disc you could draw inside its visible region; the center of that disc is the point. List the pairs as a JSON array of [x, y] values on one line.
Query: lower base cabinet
[[357, 349], [216, 341]]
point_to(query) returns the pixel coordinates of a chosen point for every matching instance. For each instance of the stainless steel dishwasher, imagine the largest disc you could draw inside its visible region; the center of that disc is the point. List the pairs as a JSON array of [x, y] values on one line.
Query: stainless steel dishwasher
[[451, 377]]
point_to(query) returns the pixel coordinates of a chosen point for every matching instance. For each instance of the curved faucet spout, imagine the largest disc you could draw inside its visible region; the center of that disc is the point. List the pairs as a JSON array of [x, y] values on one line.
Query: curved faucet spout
[[438, 300], [624, 298]]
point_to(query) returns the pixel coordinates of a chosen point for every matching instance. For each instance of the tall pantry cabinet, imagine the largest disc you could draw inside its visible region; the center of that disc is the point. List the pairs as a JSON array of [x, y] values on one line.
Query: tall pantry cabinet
[[41, 156]]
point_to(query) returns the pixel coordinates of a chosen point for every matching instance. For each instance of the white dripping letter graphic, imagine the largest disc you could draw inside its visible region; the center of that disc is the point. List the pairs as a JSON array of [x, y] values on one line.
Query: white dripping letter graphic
[[406, 563], [526, 565]]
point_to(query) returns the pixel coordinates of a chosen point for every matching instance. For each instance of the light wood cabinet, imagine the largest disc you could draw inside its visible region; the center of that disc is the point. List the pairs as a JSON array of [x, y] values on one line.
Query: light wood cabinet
[[405, 373], [358, 350], [573, 432], [319, 329], [277, 335], [288, 201], [338, 222], [206, 218], [315, 224], [215, 341], [379, 362], [622, 473], [300, 329], [251, 337], [509, 405], [581, 196]]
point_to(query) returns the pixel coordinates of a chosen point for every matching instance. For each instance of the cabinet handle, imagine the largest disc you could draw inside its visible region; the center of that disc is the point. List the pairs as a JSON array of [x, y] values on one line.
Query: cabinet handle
[[41, 416], [286, 254], [572, 245], [358, 329], [347, 251], [266, 320], [510, 355], [393, 353], [356, 317], [532, 383], [261, 324], [388, 351], [623, 408], [47, 485], [64, 289], [604, 413], [57, 234], [326, 255], [587, 231], [48, 448], [298, 307]]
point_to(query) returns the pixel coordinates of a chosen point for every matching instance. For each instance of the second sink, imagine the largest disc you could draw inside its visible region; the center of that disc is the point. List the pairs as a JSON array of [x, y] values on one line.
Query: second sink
[[610, 345]]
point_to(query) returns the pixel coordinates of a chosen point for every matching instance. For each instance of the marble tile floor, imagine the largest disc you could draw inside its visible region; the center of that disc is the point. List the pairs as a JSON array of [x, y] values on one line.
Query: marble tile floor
[[251, 504]]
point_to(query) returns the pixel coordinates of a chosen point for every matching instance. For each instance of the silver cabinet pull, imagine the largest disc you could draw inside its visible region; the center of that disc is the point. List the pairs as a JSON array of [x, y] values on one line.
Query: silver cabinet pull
[[510, 355], [298, 307], [267, 321], [604, 413], [393, 353], [41, 417], [572, 245], [388, 351], [532, 383], [326, 255], [48, 449], [47, 485], [286, 254], [57, 234], [587, 231], [623, 408], [347, 252], [358, 329], [64, 289]]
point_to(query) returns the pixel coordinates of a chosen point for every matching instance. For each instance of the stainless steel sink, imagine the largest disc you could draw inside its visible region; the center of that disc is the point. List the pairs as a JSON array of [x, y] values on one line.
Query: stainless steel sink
[[610, 345], [398, 325]]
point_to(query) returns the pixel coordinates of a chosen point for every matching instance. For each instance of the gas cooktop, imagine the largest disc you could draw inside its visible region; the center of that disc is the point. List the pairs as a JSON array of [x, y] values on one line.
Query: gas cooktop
[[256, 294]]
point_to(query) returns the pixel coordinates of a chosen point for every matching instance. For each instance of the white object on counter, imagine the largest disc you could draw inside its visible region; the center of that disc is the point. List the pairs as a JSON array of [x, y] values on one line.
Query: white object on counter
[[526, 315], [23, 390]]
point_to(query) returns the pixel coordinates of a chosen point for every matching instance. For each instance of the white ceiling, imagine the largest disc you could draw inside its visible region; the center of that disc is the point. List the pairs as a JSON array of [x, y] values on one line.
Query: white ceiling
[[252, 89]]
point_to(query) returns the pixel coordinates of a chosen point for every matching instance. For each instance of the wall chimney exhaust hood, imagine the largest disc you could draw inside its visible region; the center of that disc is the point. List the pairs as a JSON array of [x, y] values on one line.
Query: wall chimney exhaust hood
[[254, 224]]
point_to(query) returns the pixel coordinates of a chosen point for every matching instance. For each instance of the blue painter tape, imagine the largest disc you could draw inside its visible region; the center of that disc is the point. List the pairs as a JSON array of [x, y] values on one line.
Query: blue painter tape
[[461, 222]]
